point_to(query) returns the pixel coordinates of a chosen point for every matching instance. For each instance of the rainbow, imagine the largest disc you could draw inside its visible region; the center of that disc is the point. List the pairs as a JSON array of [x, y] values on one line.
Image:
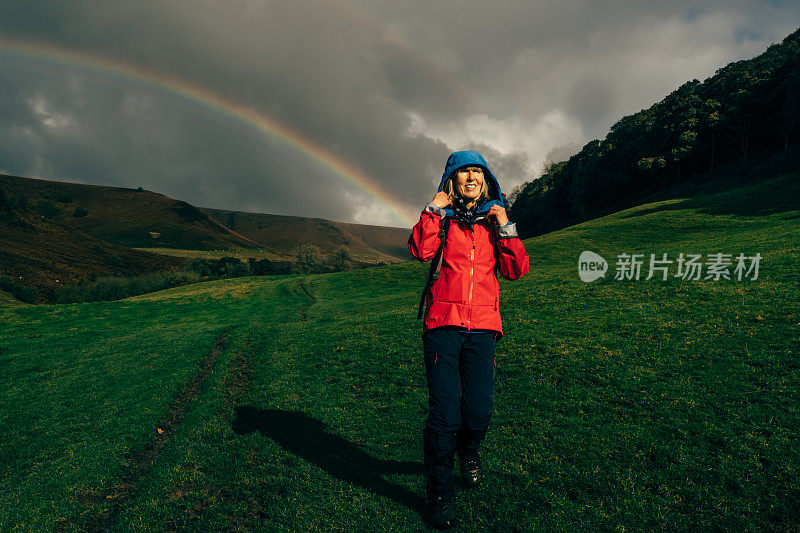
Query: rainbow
[[216, 104]]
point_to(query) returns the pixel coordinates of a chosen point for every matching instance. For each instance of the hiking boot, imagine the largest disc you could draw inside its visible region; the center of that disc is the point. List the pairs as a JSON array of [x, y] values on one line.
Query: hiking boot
[[442, 513], [471, 471]]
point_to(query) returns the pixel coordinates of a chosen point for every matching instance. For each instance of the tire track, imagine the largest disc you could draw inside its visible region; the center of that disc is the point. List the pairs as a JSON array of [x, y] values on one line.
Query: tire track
[[239, 377], [311, 301], [123, 488]]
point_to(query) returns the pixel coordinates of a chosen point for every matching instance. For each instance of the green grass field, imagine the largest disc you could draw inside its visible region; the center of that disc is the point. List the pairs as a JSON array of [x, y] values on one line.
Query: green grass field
[[297, 403]]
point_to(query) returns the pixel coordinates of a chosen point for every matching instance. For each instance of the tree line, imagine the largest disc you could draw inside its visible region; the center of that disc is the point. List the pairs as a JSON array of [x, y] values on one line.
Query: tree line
[[748, 110], [309, 259]]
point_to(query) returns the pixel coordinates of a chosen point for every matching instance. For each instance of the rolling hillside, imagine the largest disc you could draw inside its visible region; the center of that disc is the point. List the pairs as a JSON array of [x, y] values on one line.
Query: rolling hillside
[[56, 233], [287, 232], [46, 254], [297, 402], [124, 216], [144, 219]]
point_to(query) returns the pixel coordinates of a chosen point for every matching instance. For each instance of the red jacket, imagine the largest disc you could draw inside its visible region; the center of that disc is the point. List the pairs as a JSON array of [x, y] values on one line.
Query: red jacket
[[467, 292]]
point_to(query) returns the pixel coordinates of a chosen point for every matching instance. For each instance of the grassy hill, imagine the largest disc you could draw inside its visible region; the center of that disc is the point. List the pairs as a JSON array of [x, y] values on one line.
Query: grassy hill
[[297, 402], [364, 242], [124, 216]]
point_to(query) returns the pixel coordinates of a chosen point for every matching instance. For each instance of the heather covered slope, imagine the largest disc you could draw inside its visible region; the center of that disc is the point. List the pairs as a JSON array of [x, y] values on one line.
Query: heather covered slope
[[285, 233], [124, 216], [45, 254]]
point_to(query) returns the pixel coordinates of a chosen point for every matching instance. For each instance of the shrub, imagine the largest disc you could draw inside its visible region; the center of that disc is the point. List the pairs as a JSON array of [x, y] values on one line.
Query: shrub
[[65, 198], [199, 265], [309, 259], [226, 267], [7, 211], [114, 288], [20, 292], [110, 288], [265, 266], [79, 212], [20, 202], [339, 260], [232, 267], [47, 208]]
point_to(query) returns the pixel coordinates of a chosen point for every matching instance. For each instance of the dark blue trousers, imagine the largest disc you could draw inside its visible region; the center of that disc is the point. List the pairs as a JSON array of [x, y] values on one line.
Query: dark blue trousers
[[456, 423]]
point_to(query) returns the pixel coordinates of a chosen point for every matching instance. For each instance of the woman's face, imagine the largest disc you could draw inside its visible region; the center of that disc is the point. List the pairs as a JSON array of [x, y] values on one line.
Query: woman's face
[[469, 182]]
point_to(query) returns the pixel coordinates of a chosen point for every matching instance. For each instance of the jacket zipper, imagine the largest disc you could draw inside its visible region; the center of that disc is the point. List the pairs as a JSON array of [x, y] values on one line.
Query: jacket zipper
[[471, 281]]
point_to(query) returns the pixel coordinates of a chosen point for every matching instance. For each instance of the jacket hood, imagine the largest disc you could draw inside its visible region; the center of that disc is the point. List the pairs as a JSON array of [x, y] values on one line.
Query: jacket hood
[[472, 158]]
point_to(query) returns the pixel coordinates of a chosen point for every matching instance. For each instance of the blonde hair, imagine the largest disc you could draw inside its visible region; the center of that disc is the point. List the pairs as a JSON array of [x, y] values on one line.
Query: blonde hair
[[450, 188]]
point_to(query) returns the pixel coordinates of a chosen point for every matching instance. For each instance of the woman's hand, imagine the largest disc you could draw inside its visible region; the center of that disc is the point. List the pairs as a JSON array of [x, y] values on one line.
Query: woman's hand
[[499, 215], [441, 199]]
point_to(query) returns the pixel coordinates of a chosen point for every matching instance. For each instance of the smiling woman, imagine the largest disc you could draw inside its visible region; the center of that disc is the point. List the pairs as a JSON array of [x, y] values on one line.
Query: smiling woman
[[462, 320], [469, 184]]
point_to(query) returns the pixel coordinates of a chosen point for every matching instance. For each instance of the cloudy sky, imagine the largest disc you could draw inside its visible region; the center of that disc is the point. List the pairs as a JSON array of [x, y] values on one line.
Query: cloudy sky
[[341, 109]]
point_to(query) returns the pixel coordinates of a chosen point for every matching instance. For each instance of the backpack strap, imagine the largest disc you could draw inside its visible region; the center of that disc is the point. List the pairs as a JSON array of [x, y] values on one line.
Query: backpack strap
[[436, 264]]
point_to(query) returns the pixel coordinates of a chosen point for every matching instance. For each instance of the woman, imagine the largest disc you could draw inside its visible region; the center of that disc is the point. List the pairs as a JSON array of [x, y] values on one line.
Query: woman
[[462, 319]]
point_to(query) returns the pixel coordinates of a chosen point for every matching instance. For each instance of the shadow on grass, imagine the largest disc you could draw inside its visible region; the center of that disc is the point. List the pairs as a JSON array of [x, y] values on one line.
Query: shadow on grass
[[306, 437], [774, 196]]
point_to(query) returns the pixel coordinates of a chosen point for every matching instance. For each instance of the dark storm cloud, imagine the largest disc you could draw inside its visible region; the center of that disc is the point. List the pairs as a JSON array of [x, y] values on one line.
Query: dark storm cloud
[[391, 87], [591, 99]]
